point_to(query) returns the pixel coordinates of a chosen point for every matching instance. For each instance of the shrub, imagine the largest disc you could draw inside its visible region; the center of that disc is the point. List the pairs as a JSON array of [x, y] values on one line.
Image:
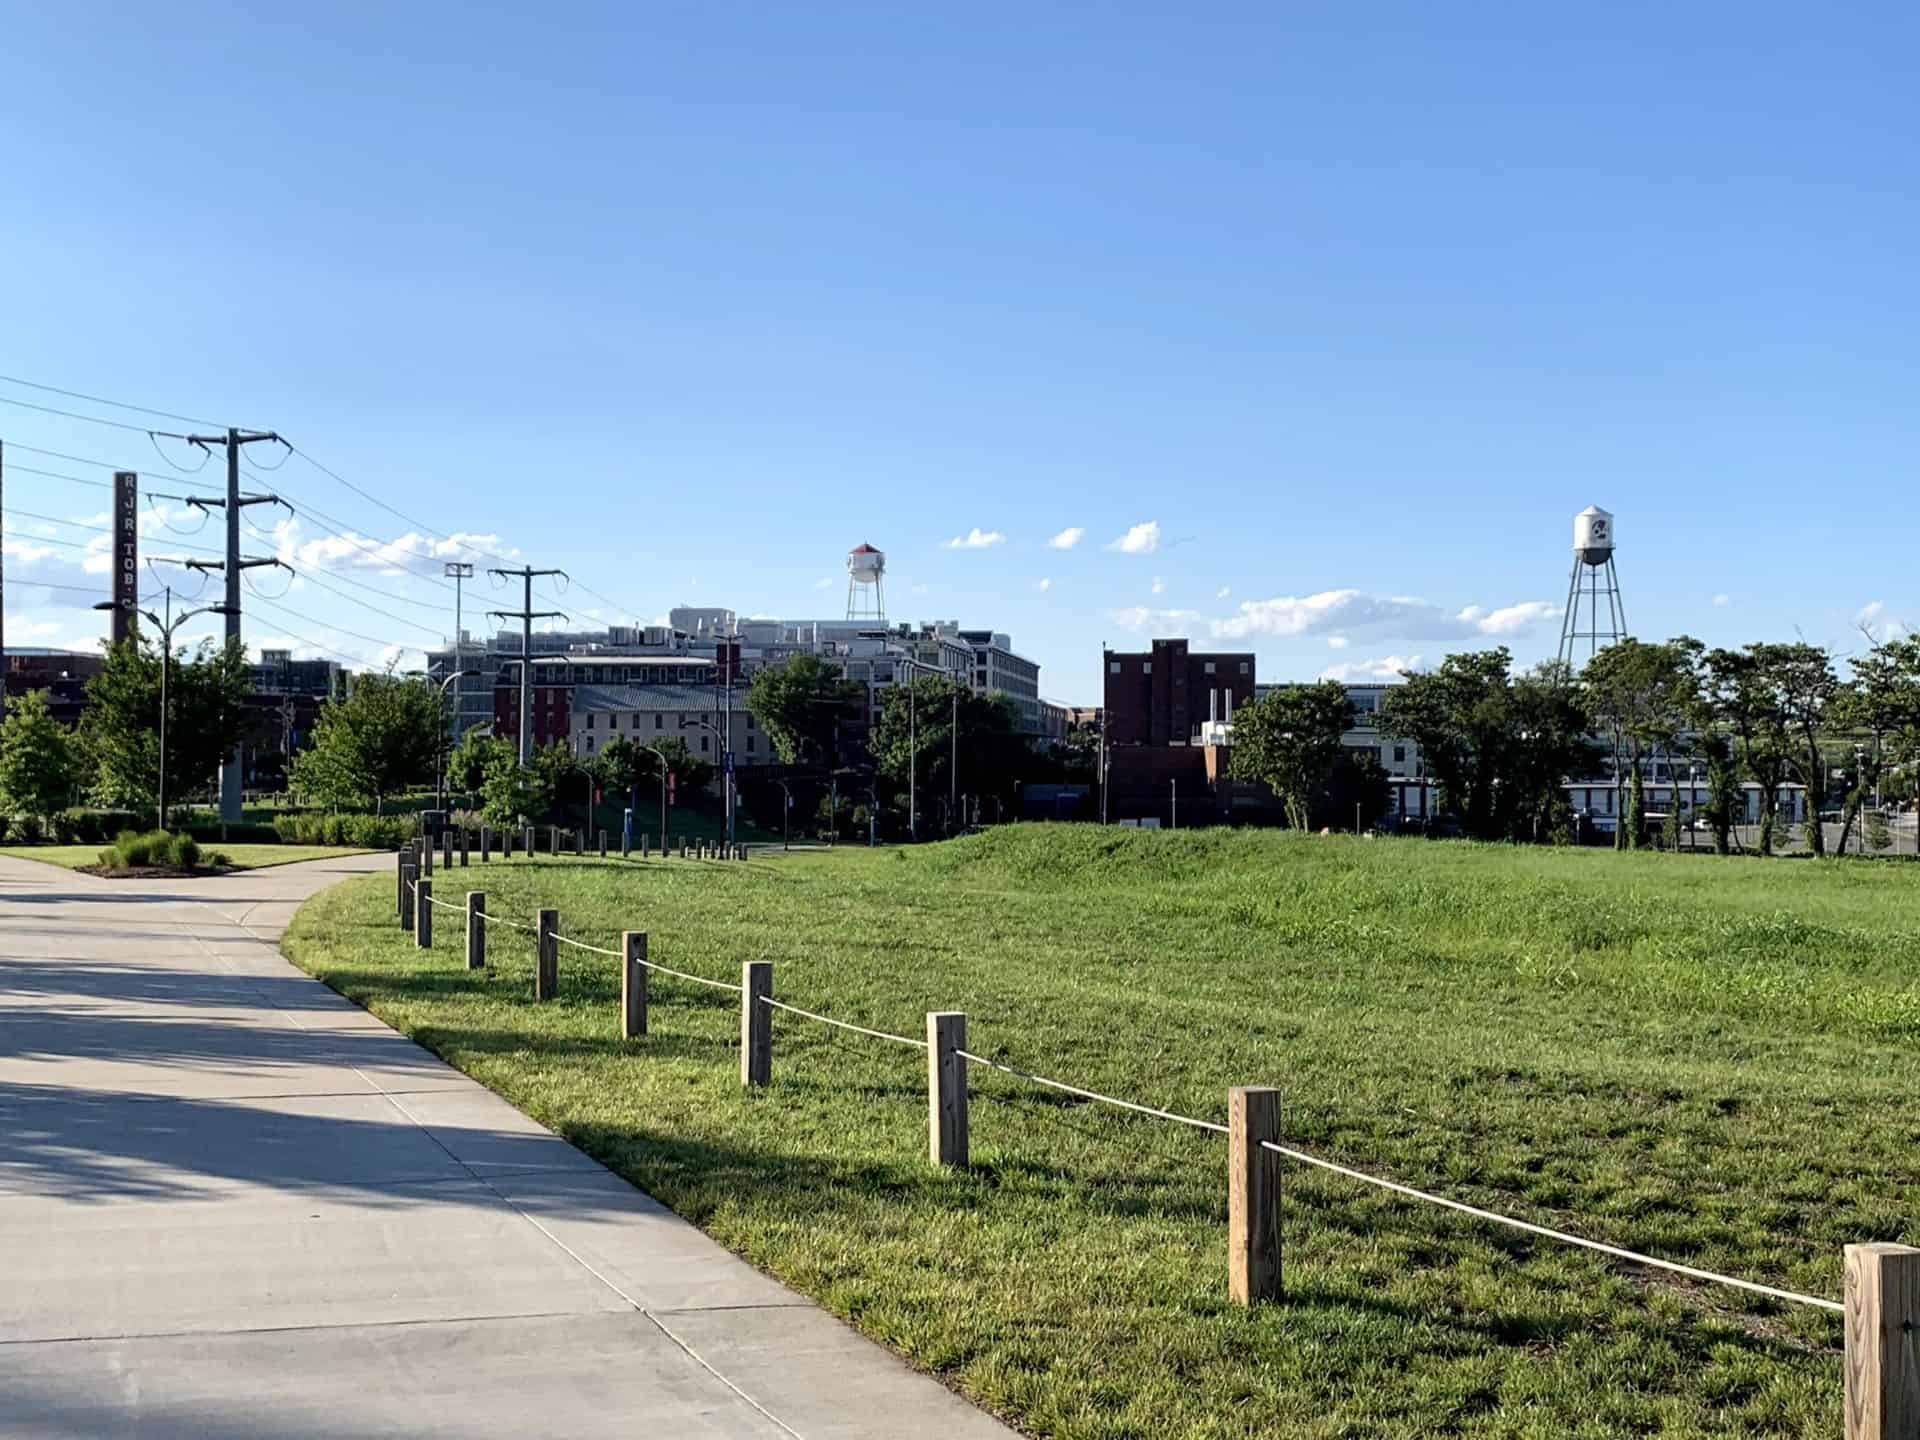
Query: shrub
[[133, 850], [184, 852], [32, 832], [370, 832], [6, 824], [65, 826]]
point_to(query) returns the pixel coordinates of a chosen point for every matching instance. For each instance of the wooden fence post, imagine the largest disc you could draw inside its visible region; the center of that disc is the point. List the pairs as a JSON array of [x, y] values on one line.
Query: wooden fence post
[[603, 844], [463, 847], [946, 1088], [506, 844], [1883, 1342], [579, 836], [486, 844], [546, 966], [446, 849], [626, 842], [528, 848], [426, 854], [1253, 1194], [409, 877], [423, 915], [643, 844], [400, 881], [756, 1022], [633, 984], [476, 929]]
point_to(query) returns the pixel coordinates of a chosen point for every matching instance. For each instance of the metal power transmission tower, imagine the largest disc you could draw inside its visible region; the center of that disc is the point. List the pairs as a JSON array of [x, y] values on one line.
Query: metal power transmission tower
[[234, 440], [526, 615]]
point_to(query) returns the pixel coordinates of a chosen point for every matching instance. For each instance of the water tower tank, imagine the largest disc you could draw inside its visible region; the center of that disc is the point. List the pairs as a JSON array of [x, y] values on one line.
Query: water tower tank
[[866, 591], [1593, 536], [865, 565]]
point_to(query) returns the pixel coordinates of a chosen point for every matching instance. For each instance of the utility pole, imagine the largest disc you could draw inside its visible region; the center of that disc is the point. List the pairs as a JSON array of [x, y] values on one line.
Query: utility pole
[[526, 615], [234, 440]]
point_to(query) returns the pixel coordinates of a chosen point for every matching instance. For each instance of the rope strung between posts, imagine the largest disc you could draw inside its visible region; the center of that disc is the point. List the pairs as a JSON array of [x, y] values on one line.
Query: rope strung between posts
[[1093, 1094], [843, 1024], [582, 945], [439, 904], [696, 979], [490, 918], [1561, 1235]]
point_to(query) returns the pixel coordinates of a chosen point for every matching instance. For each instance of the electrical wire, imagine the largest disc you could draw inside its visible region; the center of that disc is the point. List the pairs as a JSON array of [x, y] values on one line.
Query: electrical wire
[[307, 567], [311, 620], [92, 419], [117, 404], [206, 456], [87, 460], [307, 573]]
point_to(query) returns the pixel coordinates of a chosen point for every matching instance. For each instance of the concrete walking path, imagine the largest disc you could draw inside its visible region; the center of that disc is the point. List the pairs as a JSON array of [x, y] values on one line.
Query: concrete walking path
[[234, 1204]]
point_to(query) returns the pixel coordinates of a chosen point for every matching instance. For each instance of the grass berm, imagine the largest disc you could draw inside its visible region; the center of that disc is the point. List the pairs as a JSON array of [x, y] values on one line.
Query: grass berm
[[1712, 1060]]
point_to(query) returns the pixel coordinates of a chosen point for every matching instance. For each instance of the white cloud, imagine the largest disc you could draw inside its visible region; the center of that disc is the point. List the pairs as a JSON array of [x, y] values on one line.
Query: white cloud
[[825, 582], [1159, 585], [1721, 598], [1336, 642], [1224, 592], [1387, 667], [1874, 619], [409, 554], [1349, 610], [1141, 539], [918, 590], [1142, 618], [977, 539], [1068, 538], [1044, 583]]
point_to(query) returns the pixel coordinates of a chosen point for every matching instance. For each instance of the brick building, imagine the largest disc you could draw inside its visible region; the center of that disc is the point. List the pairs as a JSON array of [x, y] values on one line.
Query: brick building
[[1164, 696]]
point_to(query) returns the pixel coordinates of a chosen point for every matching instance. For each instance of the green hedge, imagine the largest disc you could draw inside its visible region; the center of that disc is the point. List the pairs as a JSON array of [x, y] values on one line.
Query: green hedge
[[366, 832]]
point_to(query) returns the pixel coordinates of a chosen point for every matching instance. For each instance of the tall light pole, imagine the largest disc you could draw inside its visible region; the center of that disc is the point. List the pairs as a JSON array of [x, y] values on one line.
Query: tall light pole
[[664, 773], [166, 628], [440, 771]]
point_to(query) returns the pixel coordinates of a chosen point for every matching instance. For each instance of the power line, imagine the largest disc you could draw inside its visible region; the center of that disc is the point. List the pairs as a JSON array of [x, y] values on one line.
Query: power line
[[370, 639], [102, 400], [90, 419], [398, 514], [307, 567], [355, 600], [184, 479]]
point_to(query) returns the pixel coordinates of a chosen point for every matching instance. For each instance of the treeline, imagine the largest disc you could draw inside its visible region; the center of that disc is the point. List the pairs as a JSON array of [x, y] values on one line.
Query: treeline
[[1502, 744]]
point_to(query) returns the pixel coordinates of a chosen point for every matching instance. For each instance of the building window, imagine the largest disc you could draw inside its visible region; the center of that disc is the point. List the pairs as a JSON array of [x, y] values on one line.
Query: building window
[[1245, 668], [1206, 668], [1400, 753], [589, 720], [703, 742], [750, 744], [589, 745], [1146, 667], [657, 719], [749, 722], [1113, 667]]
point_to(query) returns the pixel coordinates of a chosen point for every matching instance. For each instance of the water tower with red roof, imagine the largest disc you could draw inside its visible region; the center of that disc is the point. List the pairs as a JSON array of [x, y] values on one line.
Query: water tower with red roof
[[866, 593]]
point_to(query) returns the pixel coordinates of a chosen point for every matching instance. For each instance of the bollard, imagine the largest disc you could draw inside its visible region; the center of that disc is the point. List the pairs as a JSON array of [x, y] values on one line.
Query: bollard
[[1883, 1342], [446, 849], [742, 851], [1253, 1194], [946, 1087], [756, 1022], [409, 877], [423, 916], [506, 844], [633, 984], [527, 849], [426, 855], [579, 834], [626, 842], [546, 967], [400, 882], [643, 844], [463, 847], [603, 844], [476, 929], [486, 844]]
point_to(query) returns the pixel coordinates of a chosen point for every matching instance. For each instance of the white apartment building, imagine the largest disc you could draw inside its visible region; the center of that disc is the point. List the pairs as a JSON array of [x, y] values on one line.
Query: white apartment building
[[646, 714]]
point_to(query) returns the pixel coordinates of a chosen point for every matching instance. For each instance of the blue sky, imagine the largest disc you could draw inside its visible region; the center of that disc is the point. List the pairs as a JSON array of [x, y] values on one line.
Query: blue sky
[[1355, 305]]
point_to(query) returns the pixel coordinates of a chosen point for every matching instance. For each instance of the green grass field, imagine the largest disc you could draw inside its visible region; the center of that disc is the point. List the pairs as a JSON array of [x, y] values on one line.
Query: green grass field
[[243, 857], [1710, 1060]]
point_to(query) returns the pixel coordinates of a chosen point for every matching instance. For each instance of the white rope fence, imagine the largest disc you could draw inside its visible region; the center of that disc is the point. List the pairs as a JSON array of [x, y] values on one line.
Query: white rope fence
[[1254, 1260], [843, 1024], [1093, 1094], [1614, 1250]]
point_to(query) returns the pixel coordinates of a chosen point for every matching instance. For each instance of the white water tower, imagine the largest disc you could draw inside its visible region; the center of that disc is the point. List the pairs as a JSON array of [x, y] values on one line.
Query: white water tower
[[866, 591], [1594, 610]]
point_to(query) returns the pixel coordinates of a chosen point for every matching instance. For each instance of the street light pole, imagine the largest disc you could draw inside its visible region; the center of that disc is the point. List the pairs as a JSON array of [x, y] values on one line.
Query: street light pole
[[440, 770], [661, 756], [166, 627]]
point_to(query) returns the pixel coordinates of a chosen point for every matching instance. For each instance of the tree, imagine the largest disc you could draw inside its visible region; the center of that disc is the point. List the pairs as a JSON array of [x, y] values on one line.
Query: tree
[[914, 735], [1641, 695], [511, 796], [1807, 693], [468, 762], [1882, 708], [801, 706], [383, 737], [120, 728], [1289, 741], [1741, 697], [1500, 747], [38, 767]]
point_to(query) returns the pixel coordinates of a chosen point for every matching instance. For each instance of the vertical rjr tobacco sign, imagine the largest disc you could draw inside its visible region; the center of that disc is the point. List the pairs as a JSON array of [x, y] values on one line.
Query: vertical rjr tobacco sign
[[126, 551]]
